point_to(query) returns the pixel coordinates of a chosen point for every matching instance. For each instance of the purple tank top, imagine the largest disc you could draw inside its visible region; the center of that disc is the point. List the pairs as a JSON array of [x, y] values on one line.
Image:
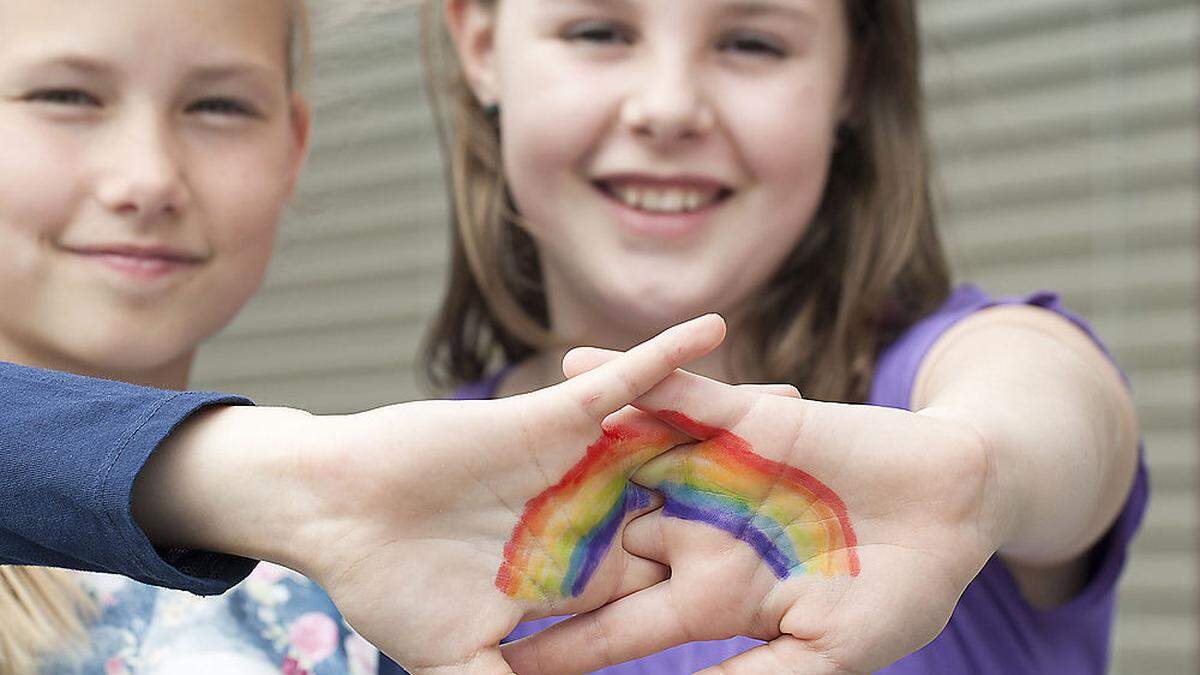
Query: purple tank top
[[992, 629]]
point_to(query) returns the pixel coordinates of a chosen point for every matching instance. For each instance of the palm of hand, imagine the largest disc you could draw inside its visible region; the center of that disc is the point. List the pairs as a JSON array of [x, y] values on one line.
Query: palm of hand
[[418, 534], [448, 543], [916, 495]]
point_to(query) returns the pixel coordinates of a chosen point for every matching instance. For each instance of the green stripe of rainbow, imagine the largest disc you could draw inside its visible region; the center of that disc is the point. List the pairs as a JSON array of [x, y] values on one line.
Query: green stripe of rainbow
[[565, 532], [794, 522]]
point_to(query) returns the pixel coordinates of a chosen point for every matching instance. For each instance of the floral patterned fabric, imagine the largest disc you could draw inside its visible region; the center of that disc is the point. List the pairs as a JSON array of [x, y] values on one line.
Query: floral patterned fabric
[[276, 621]]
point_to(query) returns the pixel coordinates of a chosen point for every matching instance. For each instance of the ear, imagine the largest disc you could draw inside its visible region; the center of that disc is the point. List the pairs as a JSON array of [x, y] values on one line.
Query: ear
[[301, 124], [472, 27]]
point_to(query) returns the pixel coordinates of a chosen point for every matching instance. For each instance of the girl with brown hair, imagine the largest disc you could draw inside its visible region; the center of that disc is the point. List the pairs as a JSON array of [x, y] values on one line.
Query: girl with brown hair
[[616, 166]]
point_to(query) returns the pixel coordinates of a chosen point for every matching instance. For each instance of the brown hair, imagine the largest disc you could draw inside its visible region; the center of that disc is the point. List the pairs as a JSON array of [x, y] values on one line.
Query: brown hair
[[868, 266], [44, 608]]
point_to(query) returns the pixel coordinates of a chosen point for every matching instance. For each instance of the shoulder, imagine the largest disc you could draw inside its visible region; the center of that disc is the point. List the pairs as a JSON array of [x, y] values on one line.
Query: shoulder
[[1045, 340], [973, 326]]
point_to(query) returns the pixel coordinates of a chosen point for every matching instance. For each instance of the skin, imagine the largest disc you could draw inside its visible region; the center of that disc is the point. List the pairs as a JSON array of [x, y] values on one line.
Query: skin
[[118, 133], [136, 146], [593, 90], [413, 501], [647, 86], [979, 468]]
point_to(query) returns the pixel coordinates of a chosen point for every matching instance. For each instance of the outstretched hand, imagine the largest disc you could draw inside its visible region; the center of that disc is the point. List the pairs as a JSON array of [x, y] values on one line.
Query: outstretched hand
[[438, 526], [840, 535]]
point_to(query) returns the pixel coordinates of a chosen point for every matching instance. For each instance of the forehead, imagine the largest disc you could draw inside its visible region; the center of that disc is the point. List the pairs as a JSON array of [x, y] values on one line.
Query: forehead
[[810, 8], [160, 32]]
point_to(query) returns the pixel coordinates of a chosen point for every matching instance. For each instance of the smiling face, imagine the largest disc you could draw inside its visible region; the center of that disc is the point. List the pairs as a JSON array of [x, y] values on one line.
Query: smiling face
[[666, 155], [149, 148]]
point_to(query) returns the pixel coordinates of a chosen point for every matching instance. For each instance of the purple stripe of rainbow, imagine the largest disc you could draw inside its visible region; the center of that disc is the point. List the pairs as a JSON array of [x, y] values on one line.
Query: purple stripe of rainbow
[[565, 532]]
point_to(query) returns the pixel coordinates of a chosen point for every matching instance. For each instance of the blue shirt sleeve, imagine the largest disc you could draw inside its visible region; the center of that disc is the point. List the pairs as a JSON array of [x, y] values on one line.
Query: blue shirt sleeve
[[70, 448]]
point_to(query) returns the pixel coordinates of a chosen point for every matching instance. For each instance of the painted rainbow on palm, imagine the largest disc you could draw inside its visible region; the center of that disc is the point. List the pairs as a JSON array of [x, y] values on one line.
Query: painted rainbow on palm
[[793, 522], [565, 532]]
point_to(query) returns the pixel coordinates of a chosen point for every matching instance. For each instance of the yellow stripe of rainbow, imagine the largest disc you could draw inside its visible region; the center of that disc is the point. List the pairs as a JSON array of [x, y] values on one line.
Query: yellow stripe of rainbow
[[793, 521], [565, 532]]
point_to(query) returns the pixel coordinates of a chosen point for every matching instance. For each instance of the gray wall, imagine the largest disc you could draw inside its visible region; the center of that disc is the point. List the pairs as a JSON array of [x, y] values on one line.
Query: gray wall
[[1067, 143]]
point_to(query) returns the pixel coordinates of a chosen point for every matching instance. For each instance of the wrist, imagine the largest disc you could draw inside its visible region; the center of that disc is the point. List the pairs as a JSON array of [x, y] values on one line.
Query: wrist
[[985, 469], [229, 480]]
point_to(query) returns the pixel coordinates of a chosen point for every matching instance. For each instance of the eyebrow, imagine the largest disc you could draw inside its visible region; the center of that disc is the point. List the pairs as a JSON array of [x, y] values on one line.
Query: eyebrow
[[71, 62], [755, 8], [604, 4], [228, 71], [212, 72], [739, 9]]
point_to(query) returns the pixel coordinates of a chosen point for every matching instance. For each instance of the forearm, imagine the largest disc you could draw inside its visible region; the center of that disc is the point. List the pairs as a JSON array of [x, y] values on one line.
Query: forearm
[[1056, 423], [70, 448], [230, 480]]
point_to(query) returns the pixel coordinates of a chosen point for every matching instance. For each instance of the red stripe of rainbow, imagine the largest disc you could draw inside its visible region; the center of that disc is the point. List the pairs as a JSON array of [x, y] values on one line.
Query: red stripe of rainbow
[[793, 521], [565, 532]]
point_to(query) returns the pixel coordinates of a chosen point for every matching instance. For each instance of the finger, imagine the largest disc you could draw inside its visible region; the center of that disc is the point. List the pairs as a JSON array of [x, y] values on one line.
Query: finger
[[696, 405], [639, 574], [785, 390], [486, 662], [582, 359], [713, 404], [641, 502], [609, 387], [698, 398], [643, 537], [641, 624], [784, 654]]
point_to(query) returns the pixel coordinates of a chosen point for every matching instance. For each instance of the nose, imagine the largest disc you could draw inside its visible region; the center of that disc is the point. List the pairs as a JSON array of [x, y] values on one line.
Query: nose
[[143, 177], [667, 105]]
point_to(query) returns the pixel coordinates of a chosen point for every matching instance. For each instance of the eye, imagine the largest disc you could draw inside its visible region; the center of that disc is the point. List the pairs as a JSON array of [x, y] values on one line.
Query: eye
[[599, 33], [750, 44], [63, 97], [223, 106]]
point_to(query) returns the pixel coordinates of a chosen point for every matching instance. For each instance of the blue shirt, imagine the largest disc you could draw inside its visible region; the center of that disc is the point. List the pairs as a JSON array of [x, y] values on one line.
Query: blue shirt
[[70, 448]]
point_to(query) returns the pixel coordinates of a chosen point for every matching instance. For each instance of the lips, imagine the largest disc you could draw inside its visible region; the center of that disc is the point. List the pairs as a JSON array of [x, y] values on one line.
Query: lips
[[139, 261]]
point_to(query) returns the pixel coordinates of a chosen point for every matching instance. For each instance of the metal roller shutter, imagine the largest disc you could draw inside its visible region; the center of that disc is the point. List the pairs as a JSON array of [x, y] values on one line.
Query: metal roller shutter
[[1066, 141]]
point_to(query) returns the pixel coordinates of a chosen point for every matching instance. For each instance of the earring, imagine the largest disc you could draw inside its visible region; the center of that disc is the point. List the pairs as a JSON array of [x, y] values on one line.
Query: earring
[[492, 111]]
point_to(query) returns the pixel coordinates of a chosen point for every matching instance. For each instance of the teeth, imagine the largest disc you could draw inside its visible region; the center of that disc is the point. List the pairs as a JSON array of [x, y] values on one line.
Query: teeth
[[666, 200], [630, 195]]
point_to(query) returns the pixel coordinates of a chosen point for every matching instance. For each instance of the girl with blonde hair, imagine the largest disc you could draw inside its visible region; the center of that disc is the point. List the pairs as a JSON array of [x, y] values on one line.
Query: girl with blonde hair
[[149, 149]]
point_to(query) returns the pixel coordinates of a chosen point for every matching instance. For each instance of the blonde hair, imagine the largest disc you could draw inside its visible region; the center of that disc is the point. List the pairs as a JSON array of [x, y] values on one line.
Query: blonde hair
[[44, 608], [868, 265]]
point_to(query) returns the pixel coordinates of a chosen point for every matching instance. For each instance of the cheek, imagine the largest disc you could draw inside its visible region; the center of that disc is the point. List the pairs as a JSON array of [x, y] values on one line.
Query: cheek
[[242, 196], [551, 119], [39, 178], [787, 144], [791, 128]]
